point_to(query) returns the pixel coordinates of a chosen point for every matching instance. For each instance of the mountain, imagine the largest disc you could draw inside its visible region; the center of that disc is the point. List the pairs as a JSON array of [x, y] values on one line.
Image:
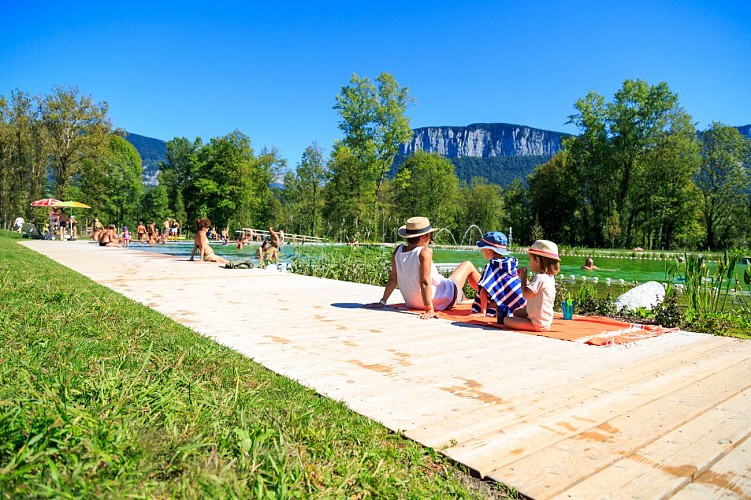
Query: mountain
[[499, 152], [152, 151]]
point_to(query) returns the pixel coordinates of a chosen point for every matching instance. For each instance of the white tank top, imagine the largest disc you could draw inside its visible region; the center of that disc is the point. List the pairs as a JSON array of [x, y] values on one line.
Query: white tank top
[[408, 277]]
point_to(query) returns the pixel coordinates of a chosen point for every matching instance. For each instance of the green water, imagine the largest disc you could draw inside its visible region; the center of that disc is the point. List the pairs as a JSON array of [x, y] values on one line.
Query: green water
[[627, 269], [630, 269]]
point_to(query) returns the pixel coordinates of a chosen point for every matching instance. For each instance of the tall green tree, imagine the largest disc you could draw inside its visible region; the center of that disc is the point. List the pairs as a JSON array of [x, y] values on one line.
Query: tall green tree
[[481, 204], [723, 181], [663, 191], [517, 213], [612, 154], [124, 181], [23, 159], [264, 208], [76, 128], [350, 196], [555, 198], [176, 170], [374, 124], [219, 183], [309, 180], [155, 206], [427, 185]]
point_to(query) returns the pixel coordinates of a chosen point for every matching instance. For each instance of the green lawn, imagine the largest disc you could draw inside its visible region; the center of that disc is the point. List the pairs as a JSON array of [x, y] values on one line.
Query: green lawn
[[100, 396]]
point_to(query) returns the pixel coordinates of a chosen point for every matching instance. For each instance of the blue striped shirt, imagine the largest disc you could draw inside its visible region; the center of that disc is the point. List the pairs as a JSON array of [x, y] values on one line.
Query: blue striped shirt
[[504, 287]]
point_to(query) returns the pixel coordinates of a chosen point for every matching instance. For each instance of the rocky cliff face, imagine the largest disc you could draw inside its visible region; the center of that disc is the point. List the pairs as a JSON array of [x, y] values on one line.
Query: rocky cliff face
[[484, 140]]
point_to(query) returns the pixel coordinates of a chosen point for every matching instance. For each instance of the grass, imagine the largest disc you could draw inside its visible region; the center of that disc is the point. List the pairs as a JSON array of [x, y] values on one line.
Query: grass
[[100, 396]]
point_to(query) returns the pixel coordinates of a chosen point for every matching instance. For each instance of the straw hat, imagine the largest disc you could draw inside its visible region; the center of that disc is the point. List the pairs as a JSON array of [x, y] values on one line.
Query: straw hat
[[496, 241], [416, 226], [545, 248]]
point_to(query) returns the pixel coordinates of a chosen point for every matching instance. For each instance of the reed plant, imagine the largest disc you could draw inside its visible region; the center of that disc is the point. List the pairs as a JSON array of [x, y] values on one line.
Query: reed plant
[[706, 292], [369, 265]]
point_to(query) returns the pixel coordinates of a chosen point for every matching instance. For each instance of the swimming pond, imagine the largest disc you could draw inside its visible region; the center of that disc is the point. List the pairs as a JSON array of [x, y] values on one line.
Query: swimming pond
[[618, 268]]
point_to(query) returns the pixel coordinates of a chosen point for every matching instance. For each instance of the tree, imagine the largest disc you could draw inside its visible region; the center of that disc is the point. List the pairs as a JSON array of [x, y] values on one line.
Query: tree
[[23, 159], [309, 180], [264, 207], [612, 155], [663, 192], [374, 124], [155, 206], [482, 206], [350, 195], [427, 185], [219, 183], [723, 181], [518, 213], [555, 199], [75, 129], [175, 172], [124, 181]]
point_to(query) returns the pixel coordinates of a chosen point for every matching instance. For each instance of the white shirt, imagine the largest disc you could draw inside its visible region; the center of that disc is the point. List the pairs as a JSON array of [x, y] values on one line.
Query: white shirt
[[408, 277], [19, 221], [540, 307]]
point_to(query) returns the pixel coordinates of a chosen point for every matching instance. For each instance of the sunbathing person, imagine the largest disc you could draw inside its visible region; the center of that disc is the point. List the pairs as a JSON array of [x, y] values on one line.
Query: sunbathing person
[[98, 229], [202, 245], [109, 238], [419, 281]]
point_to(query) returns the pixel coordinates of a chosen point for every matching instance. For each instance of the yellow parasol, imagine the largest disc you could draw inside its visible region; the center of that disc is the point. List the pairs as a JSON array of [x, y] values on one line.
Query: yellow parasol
[[70, 204]]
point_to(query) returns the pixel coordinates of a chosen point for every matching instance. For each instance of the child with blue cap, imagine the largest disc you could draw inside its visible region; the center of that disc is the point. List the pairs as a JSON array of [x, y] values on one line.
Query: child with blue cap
[[499, 282]]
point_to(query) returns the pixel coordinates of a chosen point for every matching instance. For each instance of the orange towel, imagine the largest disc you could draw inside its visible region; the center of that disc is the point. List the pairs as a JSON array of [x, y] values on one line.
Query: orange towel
[[593, 330]]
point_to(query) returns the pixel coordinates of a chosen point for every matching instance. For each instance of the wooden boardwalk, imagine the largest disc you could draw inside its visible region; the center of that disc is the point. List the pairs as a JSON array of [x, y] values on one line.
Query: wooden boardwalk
[[666, 416]]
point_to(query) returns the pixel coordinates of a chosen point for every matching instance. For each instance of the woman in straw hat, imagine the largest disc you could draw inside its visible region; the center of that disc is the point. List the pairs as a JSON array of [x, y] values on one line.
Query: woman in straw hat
[[540, 292], [419, 281]]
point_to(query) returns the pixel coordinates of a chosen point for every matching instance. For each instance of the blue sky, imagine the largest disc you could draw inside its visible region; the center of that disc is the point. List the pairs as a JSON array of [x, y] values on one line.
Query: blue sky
[[272, 69]]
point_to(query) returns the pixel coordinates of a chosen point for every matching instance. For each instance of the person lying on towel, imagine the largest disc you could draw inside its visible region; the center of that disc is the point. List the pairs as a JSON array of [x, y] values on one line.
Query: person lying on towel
[[499, 289]]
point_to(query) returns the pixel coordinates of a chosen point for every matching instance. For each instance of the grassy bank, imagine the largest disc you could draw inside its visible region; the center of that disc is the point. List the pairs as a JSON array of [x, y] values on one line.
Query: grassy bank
[[100, 396]]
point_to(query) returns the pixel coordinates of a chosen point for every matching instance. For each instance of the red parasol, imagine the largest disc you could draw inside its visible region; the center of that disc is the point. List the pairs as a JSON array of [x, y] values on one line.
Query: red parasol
[[47, 202]]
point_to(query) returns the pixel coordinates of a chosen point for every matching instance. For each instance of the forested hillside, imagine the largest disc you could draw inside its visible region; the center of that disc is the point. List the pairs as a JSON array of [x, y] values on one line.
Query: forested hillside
[[152, 151]]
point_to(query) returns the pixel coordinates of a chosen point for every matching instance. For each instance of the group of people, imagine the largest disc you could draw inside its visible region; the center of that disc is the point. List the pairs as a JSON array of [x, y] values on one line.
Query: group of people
[[62, 225], [503, 289], [150, 234]]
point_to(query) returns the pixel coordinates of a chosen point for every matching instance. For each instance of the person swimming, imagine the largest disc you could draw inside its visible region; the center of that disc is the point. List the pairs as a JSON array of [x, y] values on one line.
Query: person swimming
[[589, 264]]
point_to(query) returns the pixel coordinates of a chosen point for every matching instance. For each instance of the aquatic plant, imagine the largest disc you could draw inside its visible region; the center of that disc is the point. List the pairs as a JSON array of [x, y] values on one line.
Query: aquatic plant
[[705, 292], [371, 265]]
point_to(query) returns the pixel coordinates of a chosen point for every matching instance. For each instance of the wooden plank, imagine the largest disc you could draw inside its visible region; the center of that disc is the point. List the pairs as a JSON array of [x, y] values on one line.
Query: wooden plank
[[728, 478], [543, 398], [508, 439], [569, 460], [675, 460]]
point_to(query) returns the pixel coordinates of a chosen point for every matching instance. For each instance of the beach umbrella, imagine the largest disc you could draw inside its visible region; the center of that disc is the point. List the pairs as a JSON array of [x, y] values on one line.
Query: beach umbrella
[[69, 204], [47, 202]]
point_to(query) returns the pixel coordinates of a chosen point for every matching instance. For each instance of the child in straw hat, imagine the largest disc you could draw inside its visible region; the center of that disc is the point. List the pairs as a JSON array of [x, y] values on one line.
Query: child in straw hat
[[540, 292], [419, 281]]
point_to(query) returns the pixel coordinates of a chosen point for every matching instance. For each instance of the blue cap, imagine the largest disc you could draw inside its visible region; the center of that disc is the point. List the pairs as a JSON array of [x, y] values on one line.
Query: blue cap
[[496, 241]]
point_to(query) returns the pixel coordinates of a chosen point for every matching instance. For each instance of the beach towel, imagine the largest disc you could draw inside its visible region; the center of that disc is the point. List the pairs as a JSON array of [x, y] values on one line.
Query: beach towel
[[504, 288], [592, 330], [245, 264]]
